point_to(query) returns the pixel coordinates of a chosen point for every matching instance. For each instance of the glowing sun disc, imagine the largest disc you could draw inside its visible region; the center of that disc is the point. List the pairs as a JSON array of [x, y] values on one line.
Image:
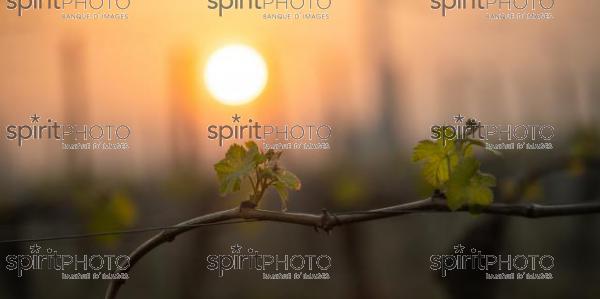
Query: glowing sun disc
[[235, 75]]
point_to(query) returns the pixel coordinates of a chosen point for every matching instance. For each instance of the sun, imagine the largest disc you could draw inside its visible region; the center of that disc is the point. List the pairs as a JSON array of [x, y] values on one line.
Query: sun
[[235, 74]]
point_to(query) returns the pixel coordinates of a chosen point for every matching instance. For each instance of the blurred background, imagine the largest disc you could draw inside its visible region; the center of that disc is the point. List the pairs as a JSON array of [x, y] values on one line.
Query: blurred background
[[379, 73]]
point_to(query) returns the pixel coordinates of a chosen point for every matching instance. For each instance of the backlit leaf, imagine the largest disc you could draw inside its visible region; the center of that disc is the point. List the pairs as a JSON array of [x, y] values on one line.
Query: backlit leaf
[[237, 164], [468, 186], [288, 179], [283, 194], [439, 160], [249, 163]]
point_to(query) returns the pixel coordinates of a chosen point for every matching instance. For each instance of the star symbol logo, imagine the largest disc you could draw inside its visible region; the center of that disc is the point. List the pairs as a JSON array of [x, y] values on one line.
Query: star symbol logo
[[235, 249], [236, 118], [35, 118], [459, 248], [35, 248], [459, 118]]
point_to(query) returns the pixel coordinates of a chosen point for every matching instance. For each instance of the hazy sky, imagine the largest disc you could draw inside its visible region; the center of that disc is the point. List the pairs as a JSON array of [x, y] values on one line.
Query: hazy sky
[[131, 71]]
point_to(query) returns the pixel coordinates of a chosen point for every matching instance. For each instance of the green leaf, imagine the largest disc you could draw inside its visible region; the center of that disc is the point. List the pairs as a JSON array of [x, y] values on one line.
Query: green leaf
[[285, 180], [288, 179], [268, 173], [255, 153], [237, 164], [272, 155], [467, 147], [487, 179], [439, 160], [283, 194], [249, 163], [468, 186], [479, 195], [423, 150]]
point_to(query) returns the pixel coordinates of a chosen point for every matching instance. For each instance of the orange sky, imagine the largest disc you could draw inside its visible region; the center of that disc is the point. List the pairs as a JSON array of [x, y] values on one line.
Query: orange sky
[[320, 71]]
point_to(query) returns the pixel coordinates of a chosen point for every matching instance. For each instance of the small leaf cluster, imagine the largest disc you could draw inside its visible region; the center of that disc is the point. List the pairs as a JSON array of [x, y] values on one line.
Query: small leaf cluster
[[451, 167], [260, 169]]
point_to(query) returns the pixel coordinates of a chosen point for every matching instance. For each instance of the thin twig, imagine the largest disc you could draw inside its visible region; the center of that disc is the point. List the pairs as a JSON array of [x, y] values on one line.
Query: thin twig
[[327, 221]]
